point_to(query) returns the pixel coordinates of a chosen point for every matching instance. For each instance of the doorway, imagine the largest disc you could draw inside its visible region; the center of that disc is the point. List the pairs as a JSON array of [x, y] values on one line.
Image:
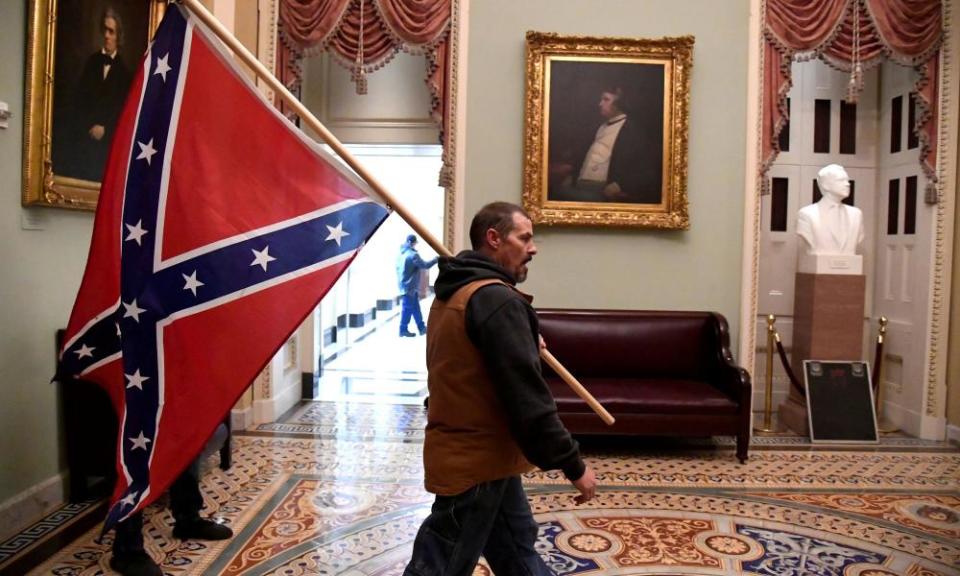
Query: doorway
[[361, 356]]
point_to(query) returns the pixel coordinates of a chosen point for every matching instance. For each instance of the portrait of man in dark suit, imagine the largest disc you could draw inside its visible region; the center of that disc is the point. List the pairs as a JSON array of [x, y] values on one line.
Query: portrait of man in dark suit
[[93, 77], [606, 133]]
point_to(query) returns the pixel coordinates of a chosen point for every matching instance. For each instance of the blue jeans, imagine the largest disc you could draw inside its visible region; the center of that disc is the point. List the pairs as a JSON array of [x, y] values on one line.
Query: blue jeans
[[492, 519], [410, 306]]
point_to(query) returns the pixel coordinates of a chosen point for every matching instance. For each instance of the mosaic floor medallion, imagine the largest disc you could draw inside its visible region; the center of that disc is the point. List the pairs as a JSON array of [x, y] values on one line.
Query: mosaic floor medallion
[[348, 499]]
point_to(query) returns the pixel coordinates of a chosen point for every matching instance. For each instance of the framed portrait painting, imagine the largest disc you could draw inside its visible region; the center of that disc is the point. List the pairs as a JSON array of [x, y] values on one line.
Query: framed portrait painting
[[606, 131], [81, 59]]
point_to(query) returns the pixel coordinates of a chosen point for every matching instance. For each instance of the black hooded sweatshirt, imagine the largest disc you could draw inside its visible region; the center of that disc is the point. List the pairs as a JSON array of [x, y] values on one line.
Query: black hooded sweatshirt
[[504, 327]]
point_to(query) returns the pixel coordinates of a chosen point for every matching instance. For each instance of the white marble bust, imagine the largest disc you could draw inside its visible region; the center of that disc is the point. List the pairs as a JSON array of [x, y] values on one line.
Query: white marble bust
[[830, 227]]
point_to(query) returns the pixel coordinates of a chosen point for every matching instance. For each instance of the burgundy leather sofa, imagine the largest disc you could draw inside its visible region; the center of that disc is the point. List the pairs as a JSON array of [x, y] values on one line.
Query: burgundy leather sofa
[[658, 373]]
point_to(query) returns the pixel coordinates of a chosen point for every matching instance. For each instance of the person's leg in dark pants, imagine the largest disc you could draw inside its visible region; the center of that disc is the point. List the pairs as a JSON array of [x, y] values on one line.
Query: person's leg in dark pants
[[459, 528], [407, 302], [129, 558], [511, 546], [186, 500], [417, 314]]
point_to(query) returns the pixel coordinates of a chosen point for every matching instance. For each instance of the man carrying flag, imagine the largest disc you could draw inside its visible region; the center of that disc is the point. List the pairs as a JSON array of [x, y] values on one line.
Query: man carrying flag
[[219, 228]]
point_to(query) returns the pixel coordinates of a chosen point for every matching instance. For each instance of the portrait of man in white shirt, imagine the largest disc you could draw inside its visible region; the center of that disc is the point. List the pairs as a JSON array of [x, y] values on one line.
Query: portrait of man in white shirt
[[618, 153]]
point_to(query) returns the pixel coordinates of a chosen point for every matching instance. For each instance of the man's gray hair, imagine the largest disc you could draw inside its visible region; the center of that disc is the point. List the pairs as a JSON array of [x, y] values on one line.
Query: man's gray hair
[[111, 12], [496, 215]]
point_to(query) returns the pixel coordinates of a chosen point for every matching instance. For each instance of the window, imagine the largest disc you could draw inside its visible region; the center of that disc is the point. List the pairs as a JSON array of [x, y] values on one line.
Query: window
[[848, 128], [896, 122], [821, 126], [910, 207], [913, 139], [783, 140], [778, 205], [893, 207]]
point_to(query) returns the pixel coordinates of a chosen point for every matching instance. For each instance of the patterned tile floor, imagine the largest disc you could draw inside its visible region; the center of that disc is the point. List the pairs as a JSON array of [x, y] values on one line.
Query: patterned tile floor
[[336, 489], [399, 376]]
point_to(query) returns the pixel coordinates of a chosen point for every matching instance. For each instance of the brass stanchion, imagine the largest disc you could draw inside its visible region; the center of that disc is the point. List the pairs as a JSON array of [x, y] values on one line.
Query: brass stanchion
[[768, 400], [878, 373]]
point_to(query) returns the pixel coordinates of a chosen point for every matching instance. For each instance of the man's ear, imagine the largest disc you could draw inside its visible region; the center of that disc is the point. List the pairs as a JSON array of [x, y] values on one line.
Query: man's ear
[[493, 238]]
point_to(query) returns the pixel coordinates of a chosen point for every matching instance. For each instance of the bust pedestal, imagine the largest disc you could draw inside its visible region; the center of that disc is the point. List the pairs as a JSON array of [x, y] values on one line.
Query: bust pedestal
[[827, 322]]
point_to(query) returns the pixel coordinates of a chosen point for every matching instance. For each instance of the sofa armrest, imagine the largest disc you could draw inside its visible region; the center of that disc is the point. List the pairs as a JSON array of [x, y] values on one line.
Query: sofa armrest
[[734, 381], [731, 378]]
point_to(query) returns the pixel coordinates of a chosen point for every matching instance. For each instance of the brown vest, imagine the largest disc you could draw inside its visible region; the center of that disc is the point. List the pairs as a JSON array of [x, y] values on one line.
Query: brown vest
[[468, 440]]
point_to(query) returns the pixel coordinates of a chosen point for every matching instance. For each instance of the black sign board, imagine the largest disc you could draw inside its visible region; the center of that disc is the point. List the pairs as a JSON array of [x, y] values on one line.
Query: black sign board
[[840, 401]]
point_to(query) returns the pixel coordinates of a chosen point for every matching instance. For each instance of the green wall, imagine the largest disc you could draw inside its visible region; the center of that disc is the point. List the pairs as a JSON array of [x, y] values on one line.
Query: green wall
[[607, 268], [697, 269], [41, 272]]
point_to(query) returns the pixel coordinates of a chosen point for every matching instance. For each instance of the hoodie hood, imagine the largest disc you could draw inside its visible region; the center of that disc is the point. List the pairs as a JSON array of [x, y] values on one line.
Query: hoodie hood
[[464, 268]]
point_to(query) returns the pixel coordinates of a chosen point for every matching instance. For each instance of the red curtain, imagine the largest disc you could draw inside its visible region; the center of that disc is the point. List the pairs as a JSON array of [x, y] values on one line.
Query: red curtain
[[389, 26], [908, 32]]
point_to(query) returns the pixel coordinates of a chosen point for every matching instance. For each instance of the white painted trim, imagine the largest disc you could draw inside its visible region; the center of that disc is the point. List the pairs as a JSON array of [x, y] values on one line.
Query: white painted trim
[[936, 340], [751, 198], [32, 504], [908, 421], [269, 409], [241, 419], [933, 428], [307, 343], [267, 41], [459, 240]]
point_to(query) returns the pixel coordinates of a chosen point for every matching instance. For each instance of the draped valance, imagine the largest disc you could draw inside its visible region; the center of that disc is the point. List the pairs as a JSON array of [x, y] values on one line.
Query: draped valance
[[845, 33], [363, 35]]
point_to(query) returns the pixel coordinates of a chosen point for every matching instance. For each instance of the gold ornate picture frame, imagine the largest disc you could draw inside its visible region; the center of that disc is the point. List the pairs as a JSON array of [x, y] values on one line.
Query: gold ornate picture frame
[[605, 140], [75, 88]]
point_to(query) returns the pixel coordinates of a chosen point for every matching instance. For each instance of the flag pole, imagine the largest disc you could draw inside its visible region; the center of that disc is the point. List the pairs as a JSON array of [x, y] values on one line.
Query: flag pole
[[314, 124]]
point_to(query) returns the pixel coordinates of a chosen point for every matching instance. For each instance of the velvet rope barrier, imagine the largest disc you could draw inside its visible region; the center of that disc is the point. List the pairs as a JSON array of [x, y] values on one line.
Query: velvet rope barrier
[[788, 370], [878, 356]]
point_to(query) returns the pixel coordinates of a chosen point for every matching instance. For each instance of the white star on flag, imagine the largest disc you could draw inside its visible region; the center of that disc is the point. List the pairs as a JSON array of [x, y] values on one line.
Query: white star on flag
[[136, 232], [131, 310], [139, 442], [337, 233], [162, 67], [130, 499], [136, 380], [146, 151], [84, 351], [117, 324], [261, 258], [192, 282]]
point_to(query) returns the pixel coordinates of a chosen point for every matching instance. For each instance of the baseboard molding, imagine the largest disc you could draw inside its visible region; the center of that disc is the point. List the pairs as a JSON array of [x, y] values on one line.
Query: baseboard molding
[[269, 409], [909, 421], [953, 434], [32, 504], [241, 419]]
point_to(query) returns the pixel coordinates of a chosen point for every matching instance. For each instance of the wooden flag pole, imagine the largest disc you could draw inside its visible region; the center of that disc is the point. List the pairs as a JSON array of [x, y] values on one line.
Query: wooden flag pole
[[311, 121]]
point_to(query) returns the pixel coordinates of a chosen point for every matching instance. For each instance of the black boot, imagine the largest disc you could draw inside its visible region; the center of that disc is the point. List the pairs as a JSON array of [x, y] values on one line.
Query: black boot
[[186, 501], [135, 563], [129, 558], [201, 529]]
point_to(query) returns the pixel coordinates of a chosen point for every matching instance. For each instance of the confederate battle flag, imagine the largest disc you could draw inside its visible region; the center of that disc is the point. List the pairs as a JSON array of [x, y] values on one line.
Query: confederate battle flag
[[219, 228]]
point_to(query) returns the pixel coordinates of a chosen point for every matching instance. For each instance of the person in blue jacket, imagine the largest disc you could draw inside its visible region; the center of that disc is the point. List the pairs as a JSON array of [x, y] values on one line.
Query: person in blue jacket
[[409, 265]]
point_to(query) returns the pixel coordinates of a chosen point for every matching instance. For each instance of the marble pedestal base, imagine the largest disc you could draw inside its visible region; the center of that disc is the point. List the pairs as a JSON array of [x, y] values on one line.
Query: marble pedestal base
[[827, 325]]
